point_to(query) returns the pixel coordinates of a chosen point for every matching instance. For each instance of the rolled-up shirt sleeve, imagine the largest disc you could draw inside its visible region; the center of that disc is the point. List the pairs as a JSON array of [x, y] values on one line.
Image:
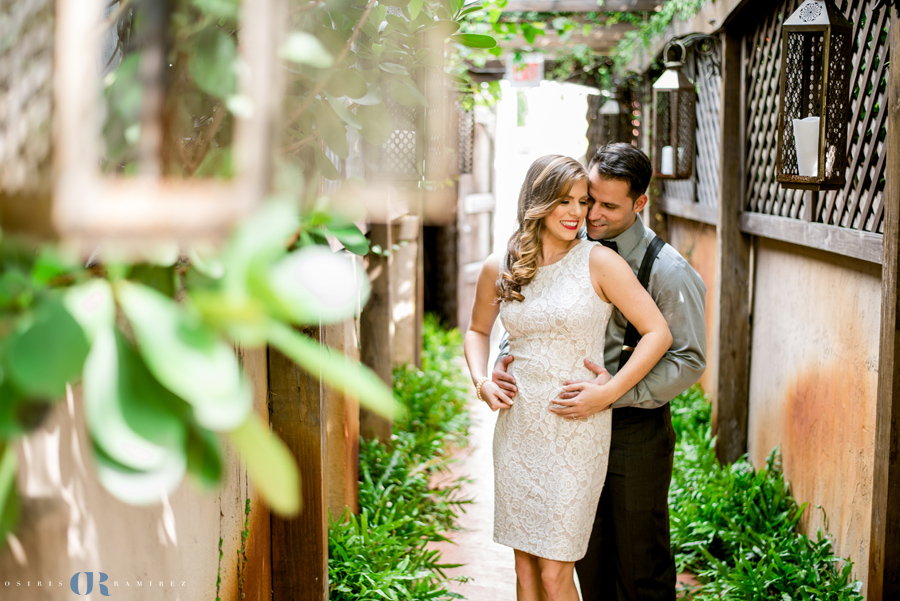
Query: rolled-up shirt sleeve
[[680, 294]]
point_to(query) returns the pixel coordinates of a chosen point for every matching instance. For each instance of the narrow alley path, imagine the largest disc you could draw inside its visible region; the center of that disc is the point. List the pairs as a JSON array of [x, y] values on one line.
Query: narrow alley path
[[489, 566]]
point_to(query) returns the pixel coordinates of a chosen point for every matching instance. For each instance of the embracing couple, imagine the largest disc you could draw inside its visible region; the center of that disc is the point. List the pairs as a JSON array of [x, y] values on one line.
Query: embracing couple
[[600, 338]]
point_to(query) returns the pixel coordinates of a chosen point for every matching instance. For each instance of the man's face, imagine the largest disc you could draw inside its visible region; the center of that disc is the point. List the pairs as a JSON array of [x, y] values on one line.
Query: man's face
[[613, 210]]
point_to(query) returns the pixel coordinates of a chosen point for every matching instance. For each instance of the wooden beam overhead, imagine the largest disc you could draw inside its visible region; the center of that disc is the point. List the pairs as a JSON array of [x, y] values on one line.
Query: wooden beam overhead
[[580, 6], [602, 41]]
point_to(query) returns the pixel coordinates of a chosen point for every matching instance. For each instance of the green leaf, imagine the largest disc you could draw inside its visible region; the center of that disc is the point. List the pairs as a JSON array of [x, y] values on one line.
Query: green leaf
[[476, 6], [227, 9], [161, 279], [272, 469], [326, 167], [377, 125], [414, 7], [347, 82], [393, 68], [204, 458], [372, 97], [336, 370], [212, 65], [306, 49], [406, 94], [129, 414], [477, 40], [46, 351], [351, 237], [315, 285], [343, 112], [332, 130], [92, 305], [259, 240], [529, 33], [9, 500], [50, 264], [187, 357]]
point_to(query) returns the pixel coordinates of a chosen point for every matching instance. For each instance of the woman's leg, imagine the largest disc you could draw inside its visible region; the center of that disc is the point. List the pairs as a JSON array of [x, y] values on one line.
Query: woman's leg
[[557, 579], [528, 577]]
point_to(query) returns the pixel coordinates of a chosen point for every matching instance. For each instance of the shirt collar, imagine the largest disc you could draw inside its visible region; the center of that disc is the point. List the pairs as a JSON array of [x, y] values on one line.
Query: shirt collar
[[628, 240]]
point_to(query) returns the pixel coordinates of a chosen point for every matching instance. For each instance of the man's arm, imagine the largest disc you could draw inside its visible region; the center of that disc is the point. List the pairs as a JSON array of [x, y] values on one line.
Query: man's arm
[[680, 294]]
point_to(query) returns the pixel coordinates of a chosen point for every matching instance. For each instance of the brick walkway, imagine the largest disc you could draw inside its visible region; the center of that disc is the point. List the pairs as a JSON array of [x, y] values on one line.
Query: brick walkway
[[489, 566]]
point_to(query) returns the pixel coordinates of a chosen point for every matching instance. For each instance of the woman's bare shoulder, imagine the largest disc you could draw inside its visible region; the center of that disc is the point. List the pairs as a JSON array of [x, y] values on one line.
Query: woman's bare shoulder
[[491, 265], [602, 256]]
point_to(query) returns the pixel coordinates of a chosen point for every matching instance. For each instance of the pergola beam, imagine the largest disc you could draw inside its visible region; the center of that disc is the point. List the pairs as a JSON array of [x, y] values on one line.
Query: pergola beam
[[580, 6]]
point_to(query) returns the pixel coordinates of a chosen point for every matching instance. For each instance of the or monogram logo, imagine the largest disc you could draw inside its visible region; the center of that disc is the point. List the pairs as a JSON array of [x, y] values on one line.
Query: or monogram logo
[[104, 590]]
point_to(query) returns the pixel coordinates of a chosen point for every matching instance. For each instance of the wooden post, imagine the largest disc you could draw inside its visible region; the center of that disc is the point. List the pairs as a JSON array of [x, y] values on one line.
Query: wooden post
[[342, 428], [884, 542], [300, 545], [731, 396], [420, 286], [404, 287], [376, 329]]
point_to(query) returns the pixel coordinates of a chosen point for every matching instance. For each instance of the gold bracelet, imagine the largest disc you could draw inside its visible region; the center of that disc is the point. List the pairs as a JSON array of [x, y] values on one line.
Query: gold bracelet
[[478, 386]]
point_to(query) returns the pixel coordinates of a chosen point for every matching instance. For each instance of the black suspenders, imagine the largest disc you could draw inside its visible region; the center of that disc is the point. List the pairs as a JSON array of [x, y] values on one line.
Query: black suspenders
[[631, 334]]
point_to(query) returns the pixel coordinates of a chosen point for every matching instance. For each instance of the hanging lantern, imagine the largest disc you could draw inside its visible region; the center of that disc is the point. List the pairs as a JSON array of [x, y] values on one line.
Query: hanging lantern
[[814, 103], [53, 182], [611, 129], [674, 126]]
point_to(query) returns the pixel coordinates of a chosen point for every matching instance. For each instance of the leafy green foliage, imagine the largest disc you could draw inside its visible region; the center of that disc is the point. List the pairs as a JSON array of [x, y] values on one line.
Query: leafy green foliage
[[381, 553], [153, 342], [735, 527]]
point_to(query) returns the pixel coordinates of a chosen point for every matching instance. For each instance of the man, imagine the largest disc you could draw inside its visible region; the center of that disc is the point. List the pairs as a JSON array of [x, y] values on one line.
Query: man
[[629, 556]]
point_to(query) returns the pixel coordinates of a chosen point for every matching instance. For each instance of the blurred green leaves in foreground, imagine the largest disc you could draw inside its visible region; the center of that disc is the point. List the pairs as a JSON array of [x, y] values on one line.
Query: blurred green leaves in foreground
[[152, 345], [160, 378]]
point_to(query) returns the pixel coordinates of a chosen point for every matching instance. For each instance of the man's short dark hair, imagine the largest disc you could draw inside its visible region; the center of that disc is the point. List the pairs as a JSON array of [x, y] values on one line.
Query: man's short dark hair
[[623, 162]]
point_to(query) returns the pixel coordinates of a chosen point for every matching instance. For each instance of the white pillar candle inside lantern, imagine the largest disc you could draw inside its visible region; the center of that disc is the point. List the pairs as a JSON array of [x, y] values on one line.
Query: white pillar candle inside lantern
[[667, 161], [806, 140]]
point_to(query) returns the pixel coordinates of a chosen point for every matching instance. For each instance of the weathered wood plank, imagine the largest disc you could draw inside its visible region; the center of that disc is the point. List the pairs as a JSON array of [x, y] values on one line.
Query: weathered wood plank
[[841, 240], [579, 6], [884, 547], [342, 428], [694, 211], [731, 397], [256, 575], [300, 545], [376, 329]]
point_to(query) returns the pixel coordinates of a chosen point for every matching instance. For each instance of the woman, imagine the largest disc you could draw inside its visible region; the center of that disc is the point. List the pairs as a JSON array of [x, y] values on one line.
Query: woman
[[554, 294]]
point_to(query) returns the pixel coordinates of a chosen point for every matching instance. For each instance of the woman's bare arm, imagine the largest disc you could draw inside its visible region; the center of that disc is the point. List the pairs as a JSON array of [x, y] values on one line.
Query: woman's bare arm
[[477, 339]]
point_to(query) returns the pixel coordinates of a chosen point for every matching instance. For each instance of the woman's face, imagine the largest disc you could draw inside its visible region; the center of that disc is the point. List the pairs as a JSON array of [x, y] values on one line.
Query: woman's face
[[568, 216]]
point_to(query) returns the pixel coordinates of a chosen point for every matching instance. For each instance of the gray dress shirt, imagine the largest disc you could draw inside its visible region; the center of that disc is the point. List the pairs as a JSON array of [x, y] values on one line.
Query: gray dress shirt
[[680, 294]]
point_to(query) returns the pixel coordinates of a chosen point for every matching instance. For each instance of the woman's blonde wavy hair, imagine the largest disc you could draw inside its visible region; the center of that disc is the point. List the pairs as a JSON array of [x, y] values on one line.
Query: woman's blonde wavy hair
[[548, 180]]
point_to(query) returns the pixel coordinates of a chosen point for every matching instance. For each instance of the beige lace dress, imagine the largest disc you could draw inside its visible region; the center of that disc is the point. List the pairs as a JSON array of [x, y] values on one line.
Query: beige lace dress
[[549, 471]]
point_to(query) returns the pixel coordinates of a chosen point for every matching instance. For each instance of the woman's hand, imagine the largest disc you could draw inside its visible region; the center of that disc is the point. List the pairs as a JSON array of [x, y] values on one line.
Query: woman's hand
[[494, 397]]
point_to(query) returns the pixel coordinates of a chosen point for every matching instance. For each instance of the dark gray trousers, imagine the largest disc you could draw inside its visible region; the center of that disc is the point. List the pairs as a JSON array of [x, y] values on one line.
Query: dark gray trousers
[[629, 557]]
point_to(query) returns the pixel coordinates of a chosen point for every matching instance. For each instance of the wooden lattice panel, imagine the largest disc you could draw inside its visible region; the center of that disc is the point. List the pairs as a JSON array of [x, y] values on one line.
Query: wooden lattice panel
[[466, 125], [26, 97], [703, 186], [859, 204]]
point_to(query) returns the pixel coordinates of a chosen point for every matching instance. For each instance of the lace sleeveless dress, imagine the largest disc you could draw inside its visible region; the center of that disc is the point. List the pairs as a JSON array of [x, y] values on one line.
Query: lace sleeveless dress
[[548, 470]]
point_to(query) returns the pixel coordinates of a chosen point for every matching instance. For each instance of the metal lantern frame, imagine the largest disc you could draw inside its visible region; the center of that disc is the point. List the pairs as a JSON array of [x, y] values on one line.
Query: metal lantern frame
[[815, 82], [611, 117], [675, 118], [87, 206]]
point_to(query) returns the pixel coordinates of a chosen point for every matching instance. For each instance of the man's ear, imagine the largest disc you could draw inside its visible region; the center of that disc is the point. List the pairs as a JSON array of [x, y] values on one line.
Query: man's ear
[[640, 202]]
